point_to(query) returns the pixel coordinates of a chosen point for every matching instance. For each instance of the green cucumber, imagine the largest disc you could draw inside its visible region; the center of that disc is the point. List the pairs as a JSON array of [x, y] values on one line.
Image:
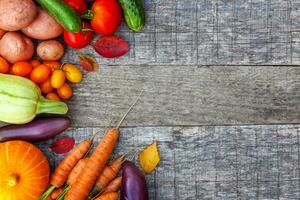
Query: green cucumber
[[63, 13], [134, 14]]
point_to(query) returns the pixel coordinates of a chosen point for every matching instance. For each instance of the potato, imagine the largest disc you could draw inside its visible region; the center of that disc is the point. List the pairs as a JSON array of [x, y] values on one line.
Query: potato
[[50, 50], [16, 14], [16, 47], [44, 27], [2, 32]]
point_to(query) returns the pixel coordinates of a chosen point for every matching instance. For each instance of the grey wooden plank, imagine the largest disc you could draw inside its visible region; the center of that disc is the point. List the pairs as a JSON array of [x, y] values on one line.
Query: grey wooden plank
[[215, 32], [188, 95], [213, 162]]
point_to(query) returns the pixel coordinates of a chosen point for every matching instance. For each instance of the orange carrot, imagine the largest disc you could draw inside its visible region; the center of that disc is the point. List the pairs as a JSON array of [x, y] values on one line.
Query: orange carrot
[[108, 174], [113, 186], [56, 192], [108, 196], [84, 183], [93, 168], [62, 171], [72, 177], [76, 171]]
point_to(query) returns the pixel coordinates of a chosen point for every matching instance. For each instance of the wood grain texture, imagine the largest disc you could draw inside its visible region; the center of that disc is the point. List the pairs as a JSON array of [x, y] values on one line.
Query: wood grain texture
[[215, 32], [188, 95], [214, 162]]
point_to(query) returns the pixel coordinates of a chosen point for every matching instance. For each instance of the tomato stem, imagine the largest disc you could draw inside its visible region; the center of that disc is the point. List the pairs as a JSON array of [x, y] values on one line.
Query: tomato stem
[[87, 15]]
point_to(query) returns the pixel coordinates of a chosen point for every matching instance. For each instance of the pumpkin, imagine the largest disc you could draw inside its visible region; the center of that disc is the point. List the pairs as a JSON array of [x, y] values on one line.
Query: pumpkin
[[24, 171]]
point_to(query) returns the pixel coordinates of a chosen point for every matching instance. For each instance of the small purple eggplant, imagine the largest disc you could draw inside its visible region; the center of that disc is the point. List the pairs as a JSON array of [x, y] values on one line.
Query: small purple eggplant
[[134, 186], [34, 131]]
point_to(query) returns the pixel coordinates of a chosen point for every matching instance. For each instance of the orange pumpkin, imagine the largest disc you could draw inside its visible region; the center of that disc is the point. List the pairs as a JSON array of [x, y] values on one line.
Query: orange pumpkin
[[24, 171]]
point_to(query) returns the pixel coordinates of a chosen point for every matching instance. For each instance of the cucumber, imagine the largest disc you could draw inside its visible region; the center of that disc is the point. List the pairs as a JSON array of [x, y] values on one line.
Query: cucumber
[[134, 14], [63, 14]]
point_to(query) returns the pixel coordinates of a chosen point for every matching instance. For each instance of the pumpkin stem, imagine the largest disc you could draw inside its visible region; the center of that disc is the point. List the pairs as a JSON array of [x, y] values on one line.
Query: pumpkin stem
[[13, 180]]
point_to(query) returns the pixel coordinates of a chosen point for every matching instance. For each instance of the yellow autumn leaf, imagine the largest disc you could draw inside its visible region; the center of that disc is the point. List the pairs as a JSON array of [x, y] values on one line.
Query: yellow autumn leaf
[[149, 157]]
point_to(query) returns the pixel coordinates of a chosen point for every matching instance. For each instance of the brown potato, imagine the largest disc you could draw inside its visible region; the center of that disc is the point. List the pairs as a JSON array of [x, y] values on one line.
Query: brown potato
[[16, 14], [2, 32], [50, 50], [44, 27], [16, 47]]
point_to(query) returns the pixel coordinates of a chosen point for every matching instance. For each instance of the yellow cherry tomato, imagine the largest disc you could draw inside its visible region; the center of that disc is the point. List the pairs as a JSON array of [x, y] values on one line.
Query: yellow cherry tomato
[[73, 73], [58, 78], [53, 96], [65, 92], [46, 86]]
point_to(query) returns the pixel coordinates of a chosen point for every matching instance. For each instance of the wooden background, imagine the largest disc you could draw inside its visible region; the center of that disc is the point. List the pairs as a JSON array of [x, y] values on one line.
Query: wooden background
[[221, 95]]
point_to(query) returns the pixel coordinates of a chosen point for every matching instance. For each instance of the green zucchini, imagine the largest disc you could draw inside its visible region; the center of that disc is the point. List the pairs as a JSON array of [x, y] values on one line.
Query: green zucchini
[[21, 100], [63, 13], [134, 14]]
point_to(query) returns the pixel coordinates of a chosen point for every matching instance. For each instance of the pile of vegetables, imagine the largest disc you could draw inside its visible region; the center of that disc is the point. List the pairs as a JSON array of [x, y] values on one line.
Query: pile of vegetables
[[34, 81]]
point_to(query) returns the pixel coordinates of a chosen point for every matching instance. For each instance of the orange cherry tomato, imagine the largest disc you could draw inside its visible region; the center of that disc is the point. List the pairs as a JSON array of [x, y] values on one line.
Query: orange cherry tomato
[[22, 68], [34, 62], [40, 73], [53, 64], [4, 65], [53, 96], [46, 86], [58, 78], [65, 92]]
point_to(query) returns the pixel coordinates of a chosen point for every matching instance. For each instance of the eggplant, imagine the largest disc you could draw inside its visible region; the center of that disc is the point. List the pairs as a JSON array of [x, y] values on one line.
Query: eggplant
[[134, 185], [36, 130]]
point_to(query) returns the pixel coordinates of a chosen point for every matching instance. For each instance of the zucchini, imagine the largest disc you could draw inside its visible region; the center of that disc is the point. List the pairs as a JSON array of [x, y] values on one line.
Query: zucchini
[[134, 14], [63, 13], [21, 100]]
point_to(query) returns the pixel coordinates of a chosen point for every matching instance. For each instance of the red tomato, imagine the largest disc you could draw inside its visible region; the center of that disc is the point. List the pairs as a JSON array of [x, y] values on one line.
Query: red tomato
[[107, 16], [81, 39], [78, 5]]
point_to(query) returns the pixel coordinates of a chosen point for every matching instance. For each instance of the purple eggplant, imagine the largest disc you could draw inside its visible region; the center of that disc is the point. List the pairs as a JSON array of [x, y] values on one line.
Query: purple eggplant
[[134, 186], [34, 131]]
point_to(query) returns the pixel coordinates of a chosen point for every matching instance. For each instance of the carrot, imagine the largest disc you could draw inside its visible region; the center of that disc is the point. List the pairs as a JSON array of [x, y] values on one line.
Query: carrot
[[87, 178], [108, 196], [62, 171], [113, 186], [56, 192], [76, 171], [72, 177], [108, 174]]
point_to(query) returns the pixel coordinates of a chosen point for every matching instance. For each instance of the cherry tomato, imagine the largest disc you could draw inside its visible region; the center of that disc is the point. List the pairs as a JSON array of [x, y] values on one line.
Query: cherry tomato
[[53, 96], [34, 62], [81, 39], [107, 16], [58, 78], [4, 65], [65, 92], [78, 5], [73, 73], [46, 86], [21, 68], [40, 73], [53, 65]]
